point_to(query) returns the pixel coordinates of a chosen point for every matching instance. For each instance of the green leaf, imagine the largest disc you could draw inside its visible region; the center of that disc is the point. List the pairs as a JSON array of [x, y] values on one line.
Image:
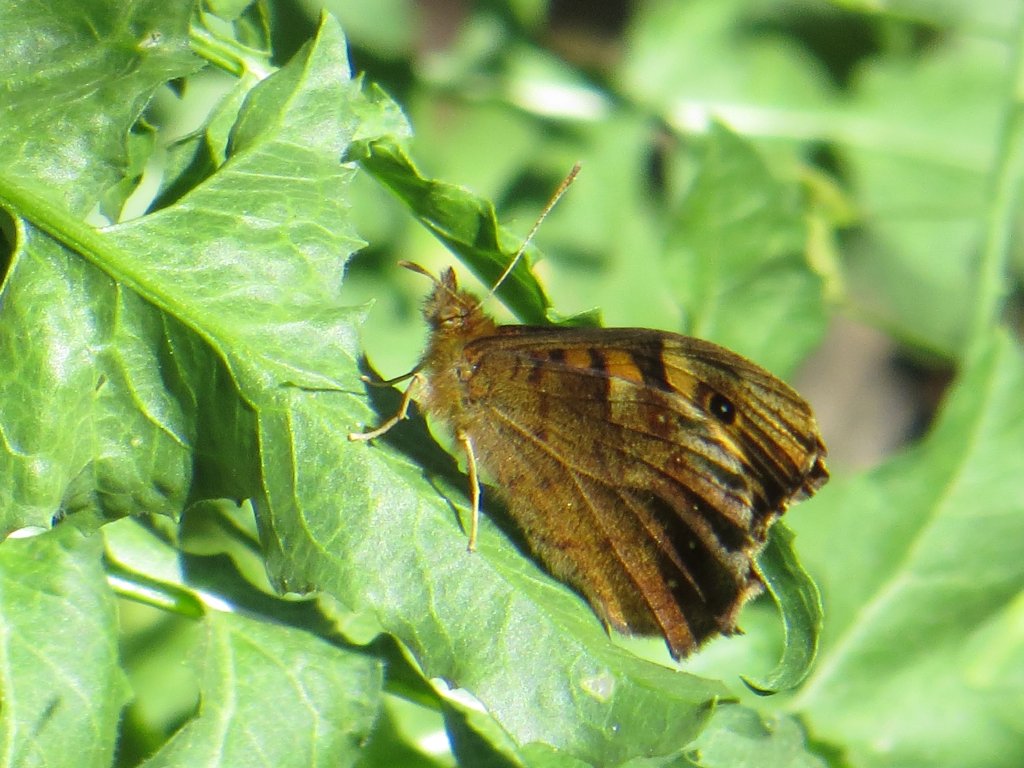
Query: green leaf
[[799, 602], [259, 681], [914, 560], [918, 163], [921, 164], [147, 391], [193, 158], [272, 666], [736, 258], [983, 20], [695, 63], [738, 736], [62, 687], [260, 277], [140, 144], [65, 119], [88, 422], [385, 27], [466, 224], [379, 537]]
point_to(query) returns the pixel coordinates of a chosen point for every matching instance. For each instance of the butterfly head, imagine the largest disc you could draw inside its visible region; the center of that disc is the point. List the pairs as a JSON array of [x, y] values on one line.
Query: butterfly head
[[450, 311]]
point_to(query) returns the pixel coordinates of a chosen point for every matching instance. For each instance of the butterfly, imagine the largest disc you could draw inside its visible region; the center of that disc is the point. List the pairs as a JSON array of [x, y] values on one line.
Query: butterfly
[[643, 467]]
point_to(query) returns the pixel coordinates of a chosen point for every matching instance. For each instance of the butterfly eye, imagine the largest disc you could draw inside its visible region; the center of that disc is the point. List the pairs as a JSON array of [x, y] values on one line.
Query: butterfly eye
[[451, 317], [720, 407]]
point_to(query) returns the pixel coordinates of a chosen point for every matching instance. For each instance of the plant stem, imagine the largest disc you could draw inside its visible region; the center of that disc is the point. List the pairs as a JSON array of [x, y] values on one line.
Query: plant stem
[[149, 591]]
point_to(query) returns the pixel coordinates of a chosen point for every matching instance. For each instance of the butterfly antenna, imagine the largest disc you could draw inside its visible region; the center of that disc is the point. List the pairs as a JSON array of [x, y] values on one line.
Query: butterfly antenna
[[414, 267], [543, 215]]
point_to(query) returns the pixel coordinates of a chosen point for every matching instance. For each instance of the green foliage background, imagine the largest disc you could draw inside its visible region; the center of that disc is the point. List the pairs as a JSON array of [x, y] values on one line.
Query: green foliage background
[[202, 215]]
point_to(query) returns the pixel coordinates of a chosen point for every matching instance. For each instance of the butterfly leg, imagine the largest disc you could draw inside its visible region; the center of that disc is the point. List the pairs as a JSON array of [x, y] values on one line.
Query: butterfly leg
[[474, 487], [403, 411]]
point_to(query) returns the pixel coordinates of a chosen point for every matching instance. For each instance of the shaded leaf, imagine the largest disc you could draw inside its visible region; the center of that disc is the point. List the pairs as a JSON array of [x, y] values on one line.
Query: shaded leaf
[[738, 736], [63, 688], [277, 696]]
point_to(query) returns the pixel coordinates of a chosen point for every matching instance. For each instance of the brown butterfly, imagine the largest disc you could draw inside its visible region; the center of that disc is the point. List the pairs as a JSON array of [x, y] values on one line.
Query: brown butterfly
[[643, 467]]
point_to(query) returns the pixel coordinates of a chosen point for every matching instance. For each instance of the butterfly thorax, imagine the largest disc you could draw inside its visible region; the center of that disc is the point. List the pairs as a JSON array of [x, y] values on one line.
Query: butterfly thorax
[[455, 319]]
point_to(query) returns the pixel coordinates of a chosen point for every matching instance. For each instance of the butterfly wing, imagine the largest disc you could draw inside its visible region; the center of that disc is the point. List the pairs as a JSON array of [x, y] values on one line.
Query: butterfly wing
[[643, 467]]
